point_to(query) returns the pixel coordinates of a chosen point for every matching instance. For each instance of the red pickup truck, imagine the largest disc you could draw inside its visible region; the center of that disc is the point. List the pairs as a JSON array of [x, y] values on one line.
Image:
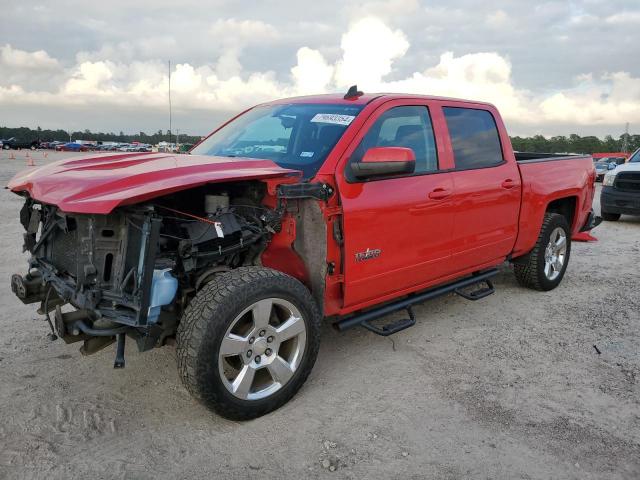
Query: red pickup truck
[[339, 207]]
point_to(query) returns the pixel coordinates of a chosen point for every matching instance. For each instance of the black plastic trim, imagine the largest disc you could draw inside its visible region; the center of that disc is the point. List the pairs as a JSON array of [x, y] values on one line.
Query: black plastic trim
[[553, 159], [319, 191], [149, 265]]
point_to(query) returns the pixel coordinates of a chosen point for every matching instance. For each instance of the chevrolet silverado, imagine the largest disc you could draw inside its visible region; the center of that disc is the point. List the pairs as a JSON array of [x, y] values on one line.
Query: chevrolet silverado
[[344, 207]]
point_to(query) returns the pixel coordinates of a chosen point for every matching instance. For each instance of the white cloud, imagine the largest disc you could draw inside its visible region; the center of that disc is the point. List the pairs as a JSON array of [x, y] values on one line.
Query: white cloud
[[90, 78], [369, 50], [312, 73], [478, 76], [622, 18], [614, 98], [19, 59]]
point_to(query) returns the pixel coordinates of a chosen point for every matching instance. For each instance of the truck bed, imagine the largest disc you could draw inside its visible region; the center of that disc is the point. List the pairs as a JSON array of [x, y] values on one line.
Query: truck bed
[[545, 178]]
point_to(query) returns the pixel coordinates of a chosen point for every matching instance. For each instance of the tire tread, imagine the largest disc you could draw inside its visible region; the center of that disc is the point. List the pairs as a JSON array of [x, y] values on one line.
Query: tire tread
[[529, 274], [222, 295]]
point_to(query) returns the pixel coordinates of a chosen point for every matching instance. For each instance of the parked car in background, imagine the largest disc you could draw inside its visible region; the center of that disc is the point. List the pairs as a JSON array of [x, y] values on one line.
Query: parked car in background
[[601, 155], [107, 147], [138, 147], [72, 147], [621, 190], [603, 165], [15, 144], [53, 145]]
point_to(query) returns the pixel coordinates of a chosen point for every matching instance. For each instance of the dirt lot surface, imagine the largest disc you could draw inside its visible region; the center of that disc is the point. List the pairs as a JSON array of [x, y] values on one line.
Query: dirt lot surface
[[505, 388]]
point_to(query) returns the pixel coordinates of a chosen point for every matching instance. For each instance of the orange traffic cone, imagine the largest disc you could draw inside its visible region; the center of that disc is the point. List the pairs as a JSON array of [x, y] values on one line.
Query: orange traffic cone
[[11, 155], [30, 162]]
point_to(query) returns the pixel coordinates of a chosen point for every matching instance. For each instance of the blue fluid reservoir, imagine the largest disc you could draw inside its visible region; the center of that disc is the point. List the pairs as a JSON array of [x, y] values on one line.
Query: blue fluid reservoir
[[163, 290]]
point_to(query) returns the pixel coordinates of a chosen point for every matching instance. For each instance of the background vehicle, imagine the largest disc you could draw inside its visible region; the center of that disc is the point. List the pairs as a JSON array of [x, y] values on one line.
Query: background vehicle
[[621, 190], [54, 144], [138, 147], [342, 207], [15, 144], [602, 155], [72, 147], [605, 164]]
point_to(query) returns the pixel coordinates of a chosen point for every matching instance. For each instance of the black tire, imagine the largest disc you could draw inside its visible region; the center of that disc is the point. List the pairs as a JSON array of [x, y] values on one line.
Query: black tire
[[529, 271], [205, 323], [610, 217], [6, 147]]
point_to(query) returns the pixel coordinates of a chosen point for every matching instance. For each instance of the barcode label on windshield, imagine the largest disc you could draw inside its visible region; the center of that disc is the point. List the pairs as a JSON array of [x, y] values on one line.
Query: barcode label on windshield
[[333, 118]]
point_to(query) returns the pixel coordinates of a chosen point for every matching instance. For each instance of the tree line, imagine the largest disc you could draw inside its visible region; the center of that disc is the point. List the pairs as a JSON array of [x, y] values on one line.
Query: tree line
[[40, 135], [576, 144], [537, 143]]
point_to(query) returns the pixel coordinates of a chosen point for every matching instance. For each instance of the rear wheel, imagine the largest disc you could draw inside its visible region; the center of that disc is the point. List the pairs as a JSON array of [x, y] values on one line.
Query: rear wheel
[[610, 217], [248, 341], [544, 267]]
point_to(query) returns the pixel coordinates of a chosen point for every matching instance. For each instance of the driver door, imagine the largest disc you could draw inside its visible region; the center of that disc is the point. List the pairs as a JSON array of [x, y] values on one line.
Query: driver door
[[397, 230]]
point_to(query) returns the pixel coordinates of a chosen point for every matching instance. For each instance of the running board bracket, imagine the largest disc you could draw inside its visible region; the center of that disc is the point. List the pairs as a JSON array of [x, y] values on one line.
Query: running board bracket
[[392, 327], [477, 294]]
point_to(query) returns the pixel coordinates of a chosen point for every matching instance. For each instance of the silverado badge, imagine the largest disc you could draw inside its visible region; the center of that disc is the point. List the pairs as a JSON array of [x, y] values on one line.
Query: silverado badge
[[368, 254]]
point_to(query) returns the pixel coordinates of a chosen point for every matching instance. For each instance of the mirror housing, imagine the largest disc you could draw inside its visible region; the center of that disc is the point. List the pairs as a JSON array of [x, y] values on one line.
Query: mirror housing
[[385, 161]]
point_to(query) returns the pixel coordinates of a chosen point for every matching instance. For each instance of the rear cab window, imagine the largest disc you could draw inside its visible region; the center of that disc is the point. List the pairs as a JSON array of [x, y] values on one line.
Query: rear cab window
[[474, 138]]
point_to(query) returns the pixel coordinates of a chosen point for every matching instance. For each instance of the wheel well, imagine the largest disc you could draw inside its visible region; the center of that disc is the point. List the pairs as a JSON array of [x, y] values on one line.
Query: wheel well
[[565, 207]]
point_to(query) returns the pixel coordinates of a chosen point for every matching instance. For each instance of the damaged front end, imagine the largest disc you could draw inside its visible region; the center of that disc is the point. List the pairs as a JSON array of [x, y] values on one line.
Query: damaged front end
[[133, 271]]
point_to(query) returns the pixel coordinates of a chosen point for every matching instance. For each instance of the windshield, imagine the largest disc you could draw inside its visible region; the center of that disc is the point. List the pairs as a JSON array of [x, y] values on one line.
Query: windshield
[[635, 157], [298, 136]]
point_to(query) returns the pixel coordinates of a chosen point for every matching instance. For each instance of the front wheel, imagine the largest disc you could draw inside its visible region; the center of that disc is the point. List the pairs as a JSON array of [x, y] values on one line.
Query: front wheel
[[247, 341], [544, 267]]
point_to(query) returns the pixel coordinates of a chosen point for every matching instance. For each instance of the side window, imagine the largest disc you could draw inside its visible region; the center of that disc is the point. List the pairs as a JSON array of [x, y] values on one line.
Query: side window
[[408, 127], [474, 137]]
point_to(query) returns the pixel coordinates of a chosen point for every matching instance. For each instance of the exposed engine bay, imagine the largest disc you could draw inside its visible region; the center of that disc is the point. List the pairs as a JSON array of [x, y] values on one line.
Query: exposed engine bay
[[134, 270]]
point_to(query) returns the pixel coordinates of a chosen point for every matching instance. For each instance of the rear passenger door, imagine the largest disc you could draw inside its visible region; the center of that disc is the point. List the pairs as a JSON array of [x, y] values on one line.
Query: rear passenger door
[[487, 188], [396, 228]]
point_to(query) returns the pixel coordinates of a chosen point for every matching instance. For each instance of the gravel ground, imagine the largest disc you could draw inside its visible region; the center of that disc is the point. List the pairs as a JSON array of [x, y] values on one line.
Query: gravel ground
[[505, 388]]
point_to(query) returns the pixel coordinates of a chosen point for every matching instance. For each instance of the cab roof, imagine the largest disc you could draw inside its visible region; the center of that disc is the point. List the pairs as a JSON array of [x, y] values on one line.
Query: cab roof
[[365, 98]]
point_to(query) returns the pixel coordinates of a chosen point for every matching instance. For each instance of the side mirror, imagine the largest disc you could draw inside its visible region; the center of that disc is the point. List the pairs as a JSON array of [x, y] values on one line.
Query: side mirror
[[612, 166], [385, 161]]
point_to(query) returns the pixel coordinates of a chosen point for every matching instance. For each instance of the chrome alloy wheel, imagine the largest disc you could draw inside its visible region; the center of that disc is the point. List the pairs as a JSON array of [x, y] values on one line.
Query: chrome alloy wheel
[[555, 254], [262, 349]]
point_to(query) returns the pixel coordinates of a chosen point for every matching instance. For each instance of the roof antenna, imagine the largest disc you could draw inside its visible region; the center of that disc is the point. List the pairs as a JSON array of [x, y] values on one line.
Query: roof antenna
[[353, 93]]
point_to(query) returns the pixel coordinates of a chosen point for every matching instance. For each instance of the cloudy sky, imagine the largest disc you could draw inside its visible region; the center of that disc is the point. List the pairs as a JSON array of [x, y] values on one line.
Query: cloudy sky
[[554, 67]]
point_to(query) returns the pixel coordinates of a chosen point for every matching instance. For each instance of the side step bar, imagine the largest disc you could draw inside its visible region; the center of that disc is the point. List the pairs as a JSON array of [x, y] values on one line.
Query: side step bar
[[477, 294], [364, 319]]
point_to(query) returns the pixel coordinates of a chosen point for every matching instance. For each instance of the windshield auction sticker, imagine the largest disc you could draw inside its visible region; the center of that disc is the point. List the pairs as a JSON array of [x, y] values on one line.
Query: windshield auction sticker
[[333, 118]]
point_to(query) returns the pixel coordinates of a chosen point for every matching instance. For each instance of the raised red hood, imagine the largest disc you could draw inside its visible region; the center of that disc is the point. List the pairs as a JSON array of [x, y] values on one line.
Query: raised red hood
[[100, 183]]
